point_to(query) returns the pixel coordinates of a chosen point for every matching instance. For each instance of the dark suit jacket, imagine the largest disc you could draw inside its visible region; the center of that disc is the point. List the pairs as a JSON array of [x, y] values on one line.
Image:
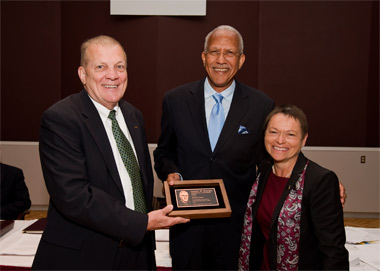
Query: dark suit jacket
[[322, 236], [14, 192], [184, 147], [87, 215]]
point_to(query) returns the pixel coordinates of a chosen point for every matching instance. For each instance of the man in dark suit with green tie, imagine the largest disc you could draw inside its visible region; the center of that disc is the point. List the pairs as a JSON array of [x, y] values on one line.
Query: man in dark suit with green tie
[[97, 218]]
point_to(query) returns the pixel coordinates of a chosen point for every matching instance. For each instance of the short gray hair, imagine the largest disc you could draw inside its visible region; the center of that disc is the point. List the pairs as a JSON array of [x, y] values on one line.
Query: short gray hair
[[227, 28]]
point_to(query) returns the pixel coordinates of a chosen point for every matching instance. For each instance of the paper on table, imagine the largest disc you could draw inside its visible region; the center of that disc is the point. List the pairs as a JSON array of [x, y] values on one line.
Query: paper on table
[[370, 255], [17, 243], [19, 261], [364, 248], [163, 258], [18, 226], [361, 266], [162, 235], [356, 235]]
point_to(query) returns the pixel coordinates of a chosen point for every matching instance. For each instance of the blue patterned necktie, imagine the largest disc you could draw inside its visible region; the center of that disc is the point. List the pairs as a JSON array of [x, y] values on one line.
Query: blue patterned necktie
[[130, 163], [216, 121]]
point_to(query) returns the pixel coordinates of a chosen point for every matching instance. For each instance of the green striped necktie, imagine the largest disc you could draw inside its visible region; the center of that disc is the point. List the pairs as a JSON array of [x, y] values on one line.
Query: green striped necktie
[[130, 163]]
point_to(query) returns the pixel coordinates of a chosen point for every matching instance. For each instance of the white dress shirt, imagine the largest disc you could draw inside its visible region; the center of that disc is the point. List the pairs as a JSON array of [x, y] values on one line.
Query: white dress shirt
[[123, 173]]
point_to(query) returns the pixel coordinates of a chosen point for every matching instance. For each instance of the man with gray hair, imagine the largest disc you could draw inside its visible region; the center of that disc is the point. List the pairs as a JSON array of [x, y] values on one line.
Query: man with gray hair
[[212, 129]]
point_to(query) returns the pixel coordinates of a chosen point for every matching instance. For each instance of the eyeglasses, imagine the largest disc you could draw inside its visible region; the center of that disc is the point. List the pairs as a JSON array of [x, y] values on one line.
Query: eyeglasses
[[226, 53]]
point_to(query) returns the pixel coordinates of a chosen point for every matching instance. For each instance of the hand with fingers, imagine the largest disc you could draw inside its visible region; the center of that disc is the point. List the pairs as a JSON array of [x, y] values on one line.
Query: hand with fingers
[[158, 219]]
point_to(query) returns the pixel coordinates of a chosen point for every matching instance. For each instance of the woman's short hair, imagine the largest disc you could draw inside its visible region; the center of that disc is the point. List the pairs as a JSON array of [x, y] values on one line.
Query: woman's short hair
[[292, 111]]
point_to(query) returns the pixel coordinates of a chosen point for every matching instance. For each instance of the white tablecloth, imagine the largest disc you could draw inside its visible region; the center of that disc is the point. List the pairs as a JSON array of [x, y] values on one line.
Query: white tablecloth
[[18, 249]]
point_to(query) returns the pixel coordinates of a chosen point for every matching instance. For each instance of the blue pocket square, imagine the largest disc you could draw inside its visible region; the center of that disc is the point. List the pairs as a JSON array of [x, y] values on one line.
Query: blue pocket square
[[243, 130]]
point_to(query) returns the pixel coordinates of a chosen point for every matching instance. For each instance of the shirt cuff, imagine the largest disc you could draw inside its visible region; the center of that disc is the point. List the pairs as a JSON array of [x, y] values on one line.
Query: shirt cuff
[[180, 176]]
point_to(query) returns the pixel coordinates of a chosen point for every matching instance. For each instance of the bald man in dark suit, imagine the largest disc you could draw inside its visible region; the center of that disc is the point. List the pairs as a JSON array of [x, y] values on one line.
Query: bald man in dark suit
[[95, 221]]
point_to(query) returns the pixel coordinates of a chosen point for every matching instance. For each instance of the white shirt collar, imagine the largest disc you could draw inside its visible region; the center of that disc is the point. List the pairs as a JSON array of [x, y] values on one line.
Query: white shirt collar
[[104, 111], [227, 93]]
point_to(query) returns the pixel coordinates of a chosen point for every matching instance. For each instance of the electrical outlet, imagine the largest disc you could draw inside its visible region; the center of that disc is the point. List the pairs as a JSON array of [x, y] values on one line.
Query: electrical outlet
[[362, 159]]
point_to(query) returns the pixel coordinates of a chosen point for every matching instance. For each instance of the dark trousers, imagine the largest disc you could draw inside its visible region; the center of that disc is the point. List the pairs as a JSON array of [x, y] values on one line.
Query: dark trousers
[[135, 258], [207, 254]]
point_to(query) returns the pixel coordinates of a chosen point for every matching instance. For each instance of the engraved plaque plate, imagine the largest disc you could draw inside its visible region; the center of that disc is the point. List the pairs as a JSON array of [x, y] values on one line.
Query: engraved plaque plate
[[196, 199]]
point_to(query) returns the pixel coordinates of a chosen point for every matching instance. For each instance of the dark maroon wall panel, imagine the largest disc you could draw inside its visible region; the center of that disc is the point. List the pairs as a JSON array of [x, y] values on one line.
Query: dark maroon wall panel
[[322, 56], [316, 54], [30, 65]]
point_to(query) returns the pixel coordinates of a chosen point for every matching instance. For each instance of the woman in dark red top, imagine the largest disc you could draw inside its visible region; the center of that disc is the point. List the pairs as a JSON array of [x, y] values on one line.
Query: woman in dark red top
[[294, 217]]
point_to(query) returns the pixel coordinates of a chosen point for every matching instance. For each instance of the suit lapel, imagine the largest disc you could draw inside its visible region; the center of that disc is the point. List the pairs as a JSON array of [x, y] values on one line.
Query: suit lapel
[[95, 126], [239, 106], [264, 172], [196, 107]]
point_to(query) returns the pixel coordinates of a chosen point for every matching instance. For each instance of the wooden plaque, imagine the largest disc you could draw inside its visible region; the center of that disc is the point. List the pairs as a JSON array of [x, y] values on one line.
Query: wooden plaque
[[196, 199]]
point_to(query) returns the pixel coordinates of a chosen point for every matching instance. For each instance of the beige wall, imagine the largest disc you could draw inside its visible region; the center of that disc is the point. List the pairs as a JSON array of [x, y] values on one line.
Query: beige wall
[[360, 179], [25, 155]]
